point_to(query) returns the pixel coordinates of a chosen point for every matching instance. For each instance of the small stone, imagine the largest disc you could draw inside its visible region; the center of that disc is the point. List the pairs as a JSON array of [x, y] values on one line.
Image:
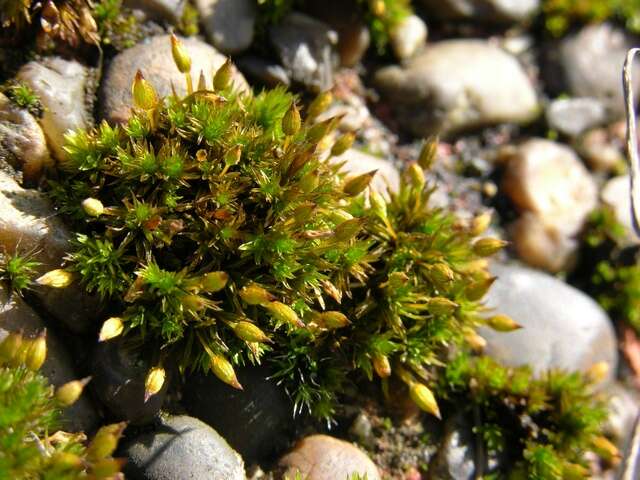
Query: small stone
[[60, 86], [255, 421], [548, 179], [153, 58], [266, 72], [562, 327], [457, 85], [455, 458], [305, 47], [573, 116], [624, 406], [408, 37], [16, 315], [320, 457], [589, 62], [362, 430], [182, 448], [483, 10], [615, 195], [601, 152], [170, 10], [229, 24], [22, 141], [119, 375], [358, 162]]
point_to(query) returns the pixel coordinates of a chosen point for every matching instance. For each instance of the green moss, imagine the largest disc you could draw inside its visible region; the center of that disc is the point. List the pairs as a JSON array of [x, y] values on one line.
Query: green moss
[[560, 15], [116, 25], [17, 271], [22, 96]]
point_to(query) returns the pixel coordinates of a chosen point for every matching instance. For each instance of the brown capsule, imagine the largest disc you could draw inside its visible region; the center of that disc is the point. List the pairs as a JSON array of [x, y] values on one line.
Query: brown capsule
[[180, 55], [70, 392], [37, 352], [343, 144], [357, 184], [144, 95], [428, 153], [223, 369], [255, 295], [233, 155], [319, 104], [298, 162], [222, 78], [485, 247], [381, 365], [291, 121]]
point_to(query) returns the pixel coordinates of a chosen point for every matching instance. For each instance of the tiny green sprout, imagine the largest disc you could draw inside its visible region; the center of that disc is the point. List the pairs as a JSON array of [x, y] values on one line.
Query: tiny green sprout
[[24, 97], [18, 271]]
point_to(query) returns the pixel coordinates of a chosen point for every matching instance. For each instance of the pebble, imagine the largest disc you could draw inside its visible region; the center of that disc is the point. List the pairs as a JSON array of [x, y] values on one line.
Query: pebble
[[573, 116], [589, 62], [22, 141], [408, 37], [229, 24], [483, 10], [455, 459], [16, 315], [60, 85], [615, 196], [264, 71], [255, 421], [182, 448], [358, 162], [321, 457], [458, 85], [153, 58], [170, 10], [601, 152], [562, 327], [305, 47], [623, 406], [118, 381], [28, 223]]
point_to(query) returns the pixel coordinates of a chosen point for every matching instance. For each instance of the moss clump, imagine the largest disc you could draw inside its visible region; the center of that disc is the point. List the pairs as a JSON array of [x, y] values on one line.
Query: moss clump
[[22, 96], [219, 233], [17, 271], [117, 27], [30, 446], [540, 428], [560, 15]]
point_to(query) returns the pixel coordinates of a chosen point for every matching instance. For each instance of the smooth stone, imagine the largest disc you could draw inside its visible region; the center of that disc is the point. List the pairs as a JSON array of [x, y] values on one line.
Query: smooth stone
[[182, 448], [170, 10], [60, 86], [623, 406], [562, 327], [457, 85], [455, 459], [358, 162], [305, 47], [153, 58], [29, 223], [321, 457], [615, 196], [255, 421], [589, 63], [408, 37], [601, 152], [118, 380], [22, 141], [483, 10], [548, 179], [16, 315], [229, 24], [573, 116], [266, 72]]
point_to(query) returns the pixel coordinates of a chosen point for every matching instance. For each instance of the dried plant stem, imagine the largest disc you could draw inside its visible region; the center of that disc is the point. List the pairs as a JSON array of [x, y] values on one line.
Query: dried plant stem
[[632, 139]]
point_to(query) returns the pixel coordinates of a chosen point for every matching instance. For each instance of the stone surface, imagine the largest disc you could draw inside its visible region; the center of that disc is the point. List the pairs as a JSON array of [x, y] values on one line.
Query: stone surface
[[624, 406], [458, 85], [320, 457], [589, 62], [562, 327], [615, 195], [600, 150], [28, 223], [60, 85], [358, 162], [408, 37], [170, 10], [182, 448], [255, 421], [573, 116], [264, 71], [153, 58], [305, 47], [229, 24], [483, 10], [118, 381], [455, 459], [16, 315], [22, 141]]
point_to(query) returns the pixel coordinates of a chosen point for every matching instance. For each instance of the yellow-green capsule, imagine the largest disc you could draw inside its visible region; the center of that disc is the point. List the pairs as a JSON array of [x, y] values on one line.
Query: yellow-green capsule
[[10, 346], [598, 372], [316, 133], [57, 278], [284, 314], [378, 204], [106, 468], [66, 461], [233, 155], [214, 281], [478, 289], [250, 332], [475, 341], [144, 95], [154, 382], [378, 7], [357, 184], [502, 323], [105, 441], [291, 121], [348, 230], [416, 175], [309, 182], [441, 306], [428, 153], [70, 392], [37, 352], [92, 207], [486, 247], [223, 369], [603, 447], [255, 295], [180, 55], [480, 223], [441, 274], [222, 78], [573, 471], [343, 144], [111, 328], [332, 320], [319, 104], [423, 398], [381, 365]]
